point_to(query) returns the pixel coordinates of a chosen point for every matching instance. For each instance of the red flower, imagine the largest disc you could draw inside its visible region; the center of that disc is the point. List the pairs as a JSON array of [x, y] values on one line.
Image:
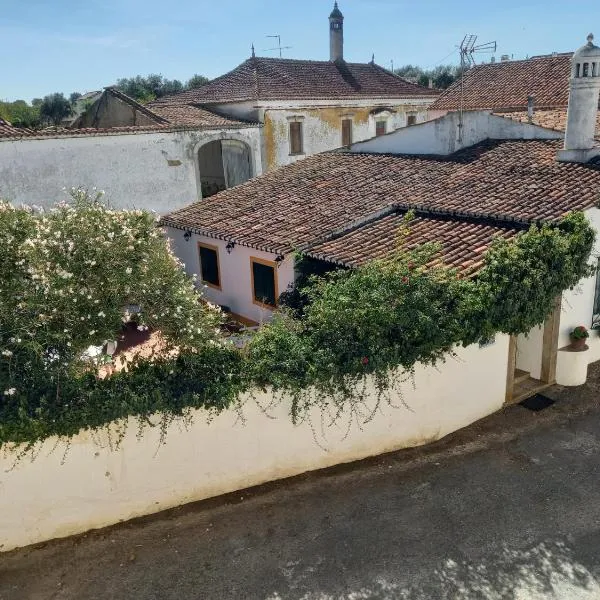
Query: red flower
[[405, 279], [365, 361]]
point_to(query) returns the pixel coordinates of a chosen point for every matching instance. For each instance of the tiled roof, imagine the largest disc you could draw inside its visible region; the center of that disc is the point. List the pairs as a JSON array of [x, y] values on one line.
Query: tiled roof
[[552, 119], [7, 130], [60, 132], [186, 114], [514, 181], [463, 242], [169, 118], [507, 85], [288, 79]]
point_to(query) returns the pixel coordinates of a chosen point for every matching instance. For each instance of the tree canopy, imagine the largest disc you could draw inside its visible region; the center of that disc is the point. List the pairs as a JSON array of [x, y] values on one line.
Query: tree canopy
[[153, 86], [54, 108], [442, 76], [20, 114]]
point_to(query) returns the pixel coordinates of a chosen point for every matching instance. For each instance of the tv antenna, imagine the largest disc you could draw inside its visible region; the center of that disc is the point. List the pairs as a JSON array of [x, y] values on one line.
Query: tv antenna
[[279, 46], [468, 47]]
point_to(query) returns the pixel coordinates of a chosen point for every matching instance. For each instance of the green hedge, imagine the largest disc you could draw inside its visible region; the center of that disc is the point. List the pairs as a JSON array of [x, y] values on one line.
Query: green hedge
[[378, 320]]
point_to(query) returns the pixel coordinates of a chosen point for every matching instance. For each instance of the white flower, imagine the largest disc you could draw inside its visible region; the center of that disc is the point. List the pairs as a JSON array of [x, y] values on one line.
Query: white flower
[[10, 392], [128, 270], [92, 332], [101, 314], [7, 353]]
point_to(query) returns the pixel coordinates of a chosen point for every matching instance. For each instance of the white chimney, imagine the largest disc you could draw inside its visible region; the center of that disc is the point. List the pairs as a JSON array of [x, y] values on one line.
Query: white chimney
[[584, 91]]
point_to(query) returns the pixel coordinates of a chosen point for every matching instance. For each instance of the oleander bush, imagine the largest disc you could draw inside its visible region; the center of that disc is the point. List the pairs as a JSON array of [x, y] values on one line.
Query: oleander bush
[[67, 280]]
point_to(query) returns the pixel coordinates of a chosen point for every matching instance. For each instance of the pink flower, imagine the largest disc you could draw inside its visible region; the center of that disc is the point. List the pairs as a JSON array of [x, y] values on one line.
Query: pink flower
[[365, 361]]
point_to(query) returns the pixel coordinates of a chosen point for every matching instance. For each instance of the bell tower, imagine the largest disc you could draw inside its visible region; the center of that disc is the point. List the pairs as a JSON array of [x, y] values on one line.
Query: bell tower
[[336, 34], [584, 92]]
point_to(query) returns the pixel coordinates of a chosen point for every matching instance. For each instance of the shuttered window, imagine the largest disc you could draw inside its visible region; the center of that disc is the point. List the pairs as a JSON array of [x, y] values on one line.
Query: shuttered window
[[296, 137], [380, 128], [264, 282], [209, 266], [346, 132]]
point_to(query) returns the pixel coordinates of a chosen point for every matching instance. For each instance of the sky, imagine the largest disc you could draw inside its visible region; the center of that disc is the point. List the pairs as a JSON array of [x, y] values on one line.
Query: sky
[[84, 45]]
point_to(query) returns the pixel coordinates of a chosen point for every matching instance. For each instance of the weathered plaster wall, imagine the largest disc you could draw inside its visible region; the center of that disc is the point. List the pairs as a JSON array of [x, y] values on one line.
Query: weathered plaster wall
[[441, 136], [109, 111], [94, 486], [578, 304], [155, 171], [236, 283], [322, 127]]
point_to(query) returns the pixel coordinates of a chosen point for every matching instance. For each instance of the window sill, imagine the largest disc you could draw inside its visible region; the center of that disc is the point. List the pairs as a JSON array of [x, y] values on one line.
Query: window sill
[[263, 305], [297, 154]]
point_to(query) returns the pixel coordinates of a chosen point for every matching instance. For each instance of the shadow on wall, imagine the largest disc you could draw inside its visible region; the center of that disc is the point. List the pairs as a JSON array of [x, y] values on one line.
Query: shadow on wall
[[223, 164]]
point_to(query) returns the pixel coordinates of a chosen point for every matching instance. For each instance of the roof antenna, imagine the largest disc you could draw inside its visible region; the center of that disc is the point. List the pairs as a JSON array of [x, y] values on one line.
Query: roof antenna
[[467, 48], [279, 46]]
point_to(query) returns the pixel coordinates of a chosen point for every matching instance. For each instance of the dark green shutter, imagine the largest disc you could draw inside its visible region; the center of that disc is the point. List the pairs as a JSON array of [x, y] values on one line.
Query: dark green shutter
[[209, 265], [264, 283]]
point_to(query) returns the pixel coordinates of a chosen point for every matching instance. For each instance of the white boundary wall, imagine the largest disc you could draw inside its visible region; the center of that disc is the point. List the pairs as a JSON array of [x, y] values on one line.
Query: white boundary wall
[[152, 171], [94, 486]]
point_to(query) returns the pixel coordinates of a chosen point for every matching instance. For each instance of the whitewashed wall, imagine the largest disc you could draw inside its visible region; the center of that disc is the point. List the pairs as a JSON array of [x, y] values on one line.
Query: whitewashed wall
[[96, 487], [578, 304], [441, 136], [529, 352], [154, 171], [236, 283]]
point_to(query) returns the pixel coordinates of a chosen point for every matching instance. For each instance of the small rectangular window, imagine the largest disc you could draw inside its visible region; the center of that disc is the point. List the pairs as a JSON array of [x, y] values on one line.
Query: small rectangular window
[[209, 265], [296, 137], [380, 128], [346, 132], [411, 120], [264, 282]]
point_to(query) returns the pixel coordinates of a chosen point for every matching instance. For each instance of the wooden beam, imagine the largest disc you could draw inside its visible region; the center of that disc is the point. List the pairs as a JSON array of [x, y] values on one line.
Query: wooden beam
[[510, 372], [550, 343]]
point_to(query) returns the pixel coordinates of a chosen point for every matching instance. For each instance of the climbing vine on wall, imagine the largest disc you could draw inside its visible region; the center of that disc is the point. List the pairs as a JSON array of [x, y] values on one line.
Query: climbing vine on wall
[[59, 294], [386, 316]]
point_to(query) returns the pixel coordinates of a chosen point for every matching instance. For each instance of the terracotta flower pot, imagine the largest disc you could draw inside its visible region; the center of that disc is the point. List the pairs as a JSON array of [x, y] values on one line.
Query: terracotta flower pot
[[579, 344]]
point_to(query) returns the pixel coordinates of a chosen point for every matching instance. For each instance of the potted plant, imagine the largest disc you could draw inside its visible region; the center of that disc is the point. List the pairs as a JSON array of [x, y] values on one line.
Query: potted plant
[[579, 337]]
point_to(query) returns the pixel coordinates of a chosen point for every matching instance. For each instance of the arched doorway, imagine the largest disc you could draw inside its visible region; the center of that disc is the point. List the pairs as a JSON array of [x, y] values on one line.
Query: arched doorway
[[223, 164]]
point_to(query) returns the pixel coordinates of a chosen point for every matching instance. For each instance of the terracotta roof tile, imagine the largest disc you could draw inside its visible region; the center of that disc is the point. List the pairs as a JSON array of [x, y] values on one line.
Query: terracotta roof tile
[[7, 130], [289, 79], [507, 85], [463, 242], [187, 114], [514, 181]]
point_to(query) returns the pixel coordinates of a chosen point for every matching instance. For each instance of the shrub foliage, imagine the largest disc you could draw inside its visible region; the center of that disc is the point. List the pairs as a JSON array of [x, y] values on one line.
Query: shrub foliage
[[67, 278]]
